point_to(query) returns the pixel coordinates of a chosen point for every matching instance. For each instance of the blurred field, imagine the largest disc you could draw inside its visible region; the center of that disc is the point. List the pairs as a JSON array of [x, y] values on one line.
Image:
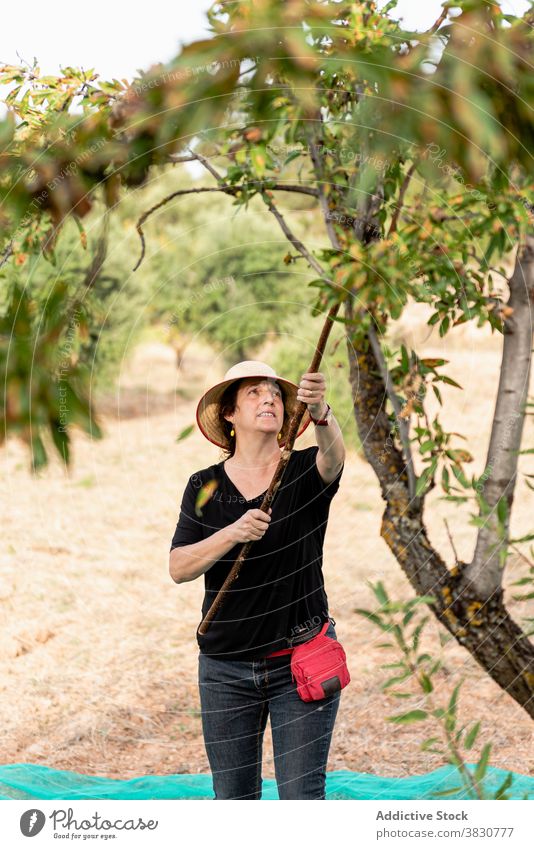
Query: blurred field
[[98, 661]]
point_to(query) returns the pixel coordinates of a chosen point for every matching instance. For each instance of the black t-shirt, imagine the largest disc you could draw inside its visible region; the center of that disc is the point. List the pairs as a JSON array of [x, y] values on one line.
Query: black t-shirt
[[279, 591]]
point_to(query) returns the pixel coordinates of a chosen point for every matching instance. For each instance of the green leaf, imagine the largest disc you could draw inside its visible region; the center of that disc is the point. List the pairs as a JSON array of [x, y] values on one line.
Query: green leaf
[[502, 510], [373, 618], [471, 736], [458, 473], [444, 326], [523, 539], [293, 155], [61, 441], [429, 742], [453, 702], [501, 791], [380, 592], [426, 683], [39, 457], [449, 380], [482, 764], [440, 793], [411, 716], [423, 480], [427, 446], [396, 679], [408, 617], [185, 433]]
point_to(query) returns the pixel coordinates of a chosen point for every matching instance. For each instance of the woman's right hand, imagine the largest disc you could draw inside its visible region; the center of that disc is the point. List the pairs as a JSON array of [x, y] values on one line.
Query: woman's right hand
[[251, 526]]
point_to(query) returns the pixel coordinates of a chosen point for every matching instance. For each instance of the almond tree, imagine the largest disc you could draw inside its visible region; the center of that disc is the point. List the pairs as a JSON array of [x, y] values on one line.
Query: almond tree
[[416, 149]]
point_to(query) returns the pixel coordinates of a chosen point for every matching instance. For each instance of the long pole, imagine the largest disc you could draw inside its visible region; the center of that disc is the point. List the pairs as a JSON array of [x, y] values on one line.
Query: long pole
[[294, 424]]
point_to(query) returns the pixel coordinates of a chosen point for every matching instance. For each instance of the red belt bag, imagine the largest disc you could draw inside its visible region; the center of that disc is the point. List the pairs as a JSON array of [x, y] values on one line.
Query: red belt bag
[[319, 667]]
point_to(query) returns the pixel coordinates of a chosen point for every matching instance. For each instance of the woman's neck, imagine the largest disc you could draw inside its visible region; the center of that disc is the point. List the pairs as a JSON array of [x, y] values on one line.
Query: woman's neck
[[248, 459]]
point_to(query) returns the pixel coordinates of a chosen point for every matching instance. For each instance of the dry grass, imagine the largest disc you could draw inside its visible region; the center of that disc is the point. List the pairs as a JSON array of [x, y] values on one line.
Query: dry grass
[[99, 659]]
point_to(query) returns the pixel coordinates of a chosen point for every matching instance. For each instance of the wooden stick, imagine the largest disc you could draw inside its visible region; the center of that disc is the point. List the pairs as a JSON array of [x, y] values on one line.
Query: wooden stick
[[294, 424]]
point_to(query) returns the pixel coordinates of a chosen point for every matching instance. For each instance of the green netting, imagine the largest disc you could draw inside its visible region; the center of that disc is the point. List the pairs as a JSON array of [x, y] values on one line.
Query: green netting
[[34, 781]]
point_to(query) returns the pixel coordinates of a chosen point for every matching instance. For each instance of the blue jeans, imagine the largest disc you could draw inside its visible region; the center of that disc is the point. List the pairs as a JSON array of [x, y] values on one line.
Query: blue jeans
[[236, 697]]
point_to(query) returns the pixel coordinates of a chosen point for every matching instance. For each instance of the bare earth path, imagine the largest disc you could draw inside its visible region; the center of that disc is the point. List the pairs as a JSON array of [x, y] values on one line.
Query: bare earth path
[[98, 657]]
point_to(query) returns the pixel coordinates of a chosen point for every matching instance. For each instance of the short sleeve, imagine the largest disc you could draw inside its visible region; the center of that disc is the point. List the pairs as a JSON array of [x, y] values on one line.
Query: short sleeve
[[189, 527], [312, 480]]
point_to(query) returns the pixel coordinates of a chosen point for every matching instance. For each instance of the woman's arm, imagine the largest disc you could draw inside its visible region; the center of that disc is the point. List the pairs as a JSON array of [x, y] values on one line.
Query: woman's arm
[[187, 562], [331, 453]]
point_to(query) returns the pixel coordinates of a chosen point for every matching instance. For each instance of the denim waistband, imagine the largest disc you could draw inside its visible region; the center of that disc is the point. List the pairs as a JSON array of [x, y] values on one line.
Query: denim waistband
[[305, 635]]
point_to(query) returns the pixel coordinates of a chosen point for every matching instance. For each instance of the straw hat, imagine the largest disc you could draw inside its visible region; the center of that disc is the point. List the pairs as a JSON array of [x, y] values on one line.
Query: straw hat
[[208, 406]]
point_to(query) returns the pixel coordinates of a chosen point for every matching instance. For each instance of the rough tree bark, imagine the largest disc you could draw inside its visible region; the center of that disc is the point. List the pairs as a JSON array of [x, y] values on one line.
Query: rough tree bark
[[484, 571], [469, 602]]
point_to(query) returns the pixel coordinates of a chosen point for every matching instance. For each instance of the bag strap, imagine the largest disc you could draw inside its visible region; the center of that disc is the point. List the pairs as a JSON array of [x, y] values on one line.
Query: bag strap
[[289, 651]]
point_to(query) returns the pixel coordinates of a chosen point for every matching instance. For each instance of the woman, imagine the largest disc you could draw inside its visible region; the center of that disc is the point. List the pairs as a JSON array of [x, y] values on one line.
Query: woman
[[278, 600]]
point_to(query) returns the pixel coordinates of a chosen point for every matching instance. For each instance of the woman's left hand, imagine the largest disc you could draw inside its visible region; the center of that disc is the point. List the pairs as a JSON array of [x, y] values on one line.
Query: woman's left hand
[[312, 390]]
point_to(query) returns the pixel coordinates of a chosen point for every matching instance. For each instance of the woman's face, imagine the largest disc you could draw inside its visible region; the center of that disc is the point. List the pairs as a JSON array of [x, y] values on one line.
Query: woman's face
[[259, 407]]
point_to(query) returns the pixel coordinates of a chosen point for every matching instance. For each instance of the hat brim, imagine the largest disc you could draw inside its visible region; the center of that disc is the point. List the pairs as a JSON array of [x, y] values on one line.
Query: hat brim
[[207, 413]]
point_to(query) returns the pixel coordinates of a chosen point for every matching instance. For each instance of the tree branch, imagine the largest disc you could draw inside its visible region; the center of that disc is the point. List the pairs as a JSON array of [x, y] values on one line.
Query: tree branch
[[222, 187], [485, 571], [399, 205], [404, 427], [7, 253], [148, 213]]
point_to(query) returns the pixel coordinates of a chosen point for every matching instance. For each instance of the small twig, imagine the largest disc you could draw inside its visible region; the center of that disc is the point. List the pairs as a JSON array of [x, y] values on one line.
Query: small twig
[[295, 241], [399, 205], [523, 556], [203, 161], [223, 187], [148, 213], [433, 29], [7, 253], [175, 159], [451, 542], [373, 339], [392, 395], [319, 174]]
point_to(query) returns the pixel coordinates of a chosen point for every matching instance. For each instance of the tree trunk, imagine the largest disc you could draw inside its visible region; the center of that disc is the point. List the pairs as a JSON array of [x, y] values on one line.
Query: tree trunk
[[485, 570], [482, 626]]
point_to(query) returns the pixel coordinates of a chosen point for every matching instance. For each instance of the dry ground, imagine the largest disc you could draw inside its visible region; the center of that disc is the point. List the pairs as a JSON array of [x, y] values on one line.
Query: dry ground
[[98, 659]]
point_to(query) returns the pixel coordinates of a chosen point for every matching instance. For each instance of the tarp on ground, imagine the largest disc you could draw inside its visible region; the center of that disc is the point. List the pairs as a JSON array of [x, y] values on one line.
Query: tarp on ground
[[36, 781]]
